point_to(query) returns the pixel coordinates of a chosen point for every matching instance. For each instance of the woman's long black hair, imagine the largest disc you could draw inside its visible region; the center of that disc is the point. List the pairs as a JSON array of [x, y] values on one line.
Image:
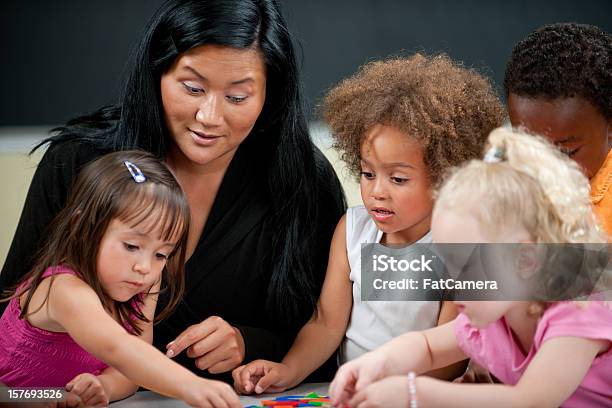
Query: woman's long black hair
[[280, 133]]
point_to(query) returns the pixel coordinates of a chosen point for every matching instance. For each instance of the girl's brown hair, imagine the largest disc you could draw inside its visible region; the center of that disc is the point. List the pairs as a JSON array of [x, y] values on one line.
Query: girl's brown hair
[[105, 190]]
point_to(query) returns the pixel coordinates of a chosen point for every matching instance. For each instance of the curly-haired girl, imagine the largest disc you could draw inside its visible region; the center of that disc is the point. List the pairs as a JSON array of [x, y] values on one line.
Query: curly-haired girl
[[399, 124]]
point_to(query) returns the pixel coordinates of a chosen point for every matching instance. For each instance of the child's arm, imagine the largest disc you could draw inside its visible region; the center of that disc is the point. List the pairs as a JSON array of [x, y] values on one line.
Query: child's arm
[[111, 385], [448, 313], [318, 339], [415, 351], [116, 385], [76, 307], [120, 386], [549, 380]]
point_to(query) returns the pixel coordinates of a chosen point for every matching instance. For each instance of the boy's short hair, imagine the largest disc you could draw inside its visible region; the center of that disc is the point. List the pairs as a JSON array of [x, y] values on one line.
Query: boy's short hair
[[446, 107], [563, 60]]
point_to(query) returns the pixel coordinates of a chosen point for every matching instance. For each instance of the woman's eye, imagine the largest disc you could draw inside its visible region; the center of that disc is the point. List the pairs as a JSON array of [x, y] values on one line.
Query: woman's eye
[[399, 180], [236, 99], [192, 89], [367, 175], [161, 256], [130, 247]]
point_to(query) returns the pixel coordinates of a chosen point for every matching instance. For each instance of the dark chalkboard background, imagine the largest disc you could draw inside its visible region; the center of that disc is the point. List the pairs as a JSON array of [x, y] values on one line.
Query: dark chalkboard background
[[67, 57]]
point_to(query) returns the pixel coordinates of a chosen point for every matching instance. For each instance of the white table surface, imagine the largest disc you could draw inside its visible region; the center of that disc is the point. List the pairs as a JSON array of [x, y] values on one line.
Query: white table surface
[[146, 399]]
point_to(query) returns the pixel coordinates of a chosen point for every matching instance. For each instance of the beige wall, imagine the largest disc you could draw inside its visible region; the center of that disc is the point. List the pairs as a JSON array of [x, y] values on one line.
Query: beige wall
[[349, 183], [16, 170]]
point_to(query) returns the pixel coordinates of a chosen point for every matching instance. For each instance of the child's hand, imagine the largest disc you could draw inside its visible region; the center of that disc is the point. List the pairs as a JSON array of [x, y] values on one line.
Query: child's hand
[[355, 375], [89, 389], [475, 374], [389, 392], [71, 401], [203, 393], [262, 375]]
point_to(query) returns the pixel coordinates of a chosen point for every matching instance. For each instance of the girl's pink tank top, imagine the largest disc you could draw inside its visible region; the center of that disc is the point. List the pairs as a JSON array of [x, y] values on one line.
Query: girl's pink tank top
[[33, 357]]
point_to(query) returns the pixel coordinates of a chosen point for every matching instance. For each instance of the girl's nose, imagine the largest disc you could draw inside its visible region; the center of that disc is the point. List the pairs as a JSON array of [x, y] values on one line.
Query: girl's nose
[[378, 191], [142, 266]]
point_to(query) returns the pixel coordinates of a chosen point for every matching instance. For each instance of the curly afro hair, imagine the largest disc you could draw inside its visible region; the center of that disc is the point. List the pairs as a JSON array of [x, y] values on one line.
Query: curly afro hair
[[563, 60], [449, 109]]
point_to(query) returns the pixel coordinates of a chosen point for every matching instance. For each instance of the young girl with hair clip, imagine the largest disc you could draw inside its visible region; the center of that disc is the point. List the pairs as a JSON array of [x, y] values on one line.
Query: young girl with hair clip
[[545, 353], [83, 317]]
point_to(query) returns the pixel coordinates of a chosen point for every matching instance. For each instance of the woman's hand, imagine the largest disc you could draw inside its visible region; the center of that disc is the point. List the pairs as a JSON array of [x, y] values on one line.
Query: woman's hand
[[390, 392], [261, 375], [203, 393], [356, 375], [89, 390], [215, 344]]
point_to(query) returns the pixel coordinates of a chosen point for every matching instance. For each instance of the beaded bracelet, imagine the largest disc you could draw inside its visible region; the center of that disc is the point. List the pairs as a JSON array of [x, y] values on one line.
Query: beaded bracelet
[[412, 390]]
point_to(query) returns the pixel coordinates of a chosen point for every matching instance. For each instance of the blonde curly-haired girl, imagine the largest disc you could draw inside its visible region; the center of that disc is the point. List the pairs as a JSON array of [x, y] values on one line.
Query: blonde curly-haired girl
[[545, 354]]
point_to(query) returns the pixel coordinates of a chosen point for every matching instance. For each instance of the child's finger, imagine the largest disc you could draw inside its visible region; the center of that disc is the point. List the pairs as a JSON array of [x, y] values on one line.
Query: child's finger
[[217, 400], [357, 399], [344, 398], [333, 386], [338, 385], [224, 396], [72, 401], [95, 392], [69, 386], [364, 379], [80, 387], [345, 393], [231, 398], [80, 382]]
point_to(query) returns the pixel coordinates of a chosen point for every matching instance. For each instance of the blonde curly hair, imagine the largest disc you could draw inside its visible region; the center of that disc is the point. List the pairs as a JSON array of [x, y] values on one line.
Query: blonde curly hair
[[527, 182], [446, 107]]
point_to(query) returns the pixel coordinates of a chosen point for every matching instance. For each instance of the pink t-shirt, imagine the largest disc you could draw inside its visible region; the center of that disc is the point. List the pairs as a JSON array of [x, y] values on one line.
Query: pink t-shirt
[[495, 347]]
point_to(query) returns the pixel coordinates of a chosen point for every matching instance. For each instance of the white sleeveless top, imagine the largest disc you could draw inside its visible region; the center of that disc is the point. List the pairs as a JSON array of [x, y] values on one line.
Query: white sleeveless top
[[374, 323]]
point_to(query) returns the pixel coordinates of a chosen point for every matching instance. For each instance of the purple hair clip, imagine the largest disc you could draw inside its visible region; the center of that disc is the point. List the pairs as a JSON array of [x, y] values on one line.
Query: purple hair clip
[[135, 172]]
